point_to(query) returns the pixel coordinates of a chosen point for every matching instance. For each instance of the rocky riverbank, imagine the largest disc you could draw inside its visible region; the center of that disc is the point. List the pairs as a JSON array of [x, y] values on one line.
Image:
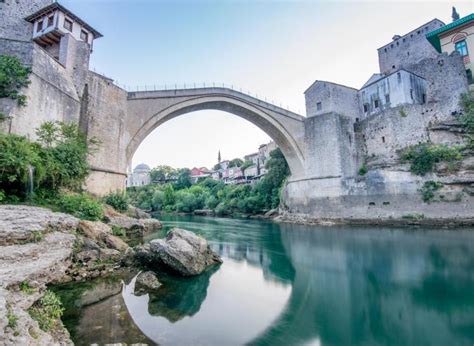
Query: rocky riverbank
[[39, 247], [408, 219]]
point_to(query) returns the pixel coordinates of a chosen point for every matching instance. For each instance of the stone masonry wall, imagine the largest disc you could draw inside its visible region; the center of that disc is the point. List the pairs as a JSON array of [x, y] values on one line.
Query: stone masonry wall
[[330, 146], [333, 98], [446, 77], [408, 49], [51, 96], [385, 133], [12, 14], [105, 119]]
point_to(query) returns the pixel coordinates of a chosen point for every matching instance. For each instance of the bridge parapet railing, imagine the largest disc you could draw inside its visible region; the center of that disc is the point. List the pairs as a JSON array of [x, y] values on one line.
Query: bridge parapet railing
[[141, 91], [259, 99]]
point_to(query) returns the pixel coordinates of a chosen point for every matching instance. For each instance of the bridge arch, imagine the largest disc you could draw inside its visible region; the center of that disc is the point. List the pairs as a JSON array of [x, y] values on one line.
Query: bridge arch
[[148, 110]]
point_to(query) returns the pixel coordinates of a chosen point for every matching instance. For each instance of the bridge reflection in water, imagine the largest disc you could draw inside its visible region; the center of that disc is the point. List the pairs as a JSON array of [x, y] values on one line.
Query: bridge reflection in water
[[293, 285]]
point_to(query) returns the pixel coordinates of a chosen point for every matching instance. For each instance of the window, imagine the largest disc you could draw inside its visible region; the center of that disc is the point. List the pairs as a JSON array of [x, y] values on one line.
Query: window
[[50, 21], [366, 107], [67, 24], [39, 26], [399, 77], [423, 98], [461, 47], [357, 120], [387, 98], [383, 139], [84, 35], [411, 94], [393, 66], [319, 106], [376, 103]]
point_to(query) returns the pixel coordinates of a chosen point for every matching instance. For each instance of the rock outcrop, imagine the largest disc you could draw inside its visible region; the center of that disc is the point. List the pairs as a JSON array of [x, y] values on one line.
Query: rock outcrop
[[134, 227], [20, 224], [137, 213], [182, 251], [146, 282], [39, 251], [101, 233]]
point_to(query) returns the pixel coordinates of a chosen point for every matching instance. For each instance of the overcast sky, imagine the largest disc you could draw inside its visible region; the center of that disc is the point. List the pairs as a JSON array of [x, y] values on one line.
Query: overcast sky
[[275, 49]]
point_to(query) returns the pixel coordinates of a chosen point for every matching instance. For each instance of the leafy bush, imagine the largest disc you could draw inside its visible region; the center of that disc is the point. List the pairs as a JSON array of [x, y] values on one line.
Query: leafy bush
[[13, 76], [363, 170], [467, 119], [118, 200], [58, 160], [119, 231], [17, 155], [47, 311], [424, 156], [428, 190], [82, 206]]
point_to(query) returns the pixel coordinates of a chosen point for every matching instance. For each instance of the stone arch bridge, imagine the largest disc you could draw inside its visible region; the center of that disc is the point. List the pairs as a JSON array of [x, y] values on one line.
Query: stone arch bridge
[[310, 145]]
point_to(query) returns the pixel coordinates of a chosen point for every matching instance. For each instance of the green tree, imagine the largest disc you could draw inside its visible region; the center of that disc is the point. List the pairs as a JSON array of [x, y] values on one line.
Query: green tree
[[183, 179], [236, 163], [162, 173], [169, 197], [246, 165], [270, 186], [13, 77]]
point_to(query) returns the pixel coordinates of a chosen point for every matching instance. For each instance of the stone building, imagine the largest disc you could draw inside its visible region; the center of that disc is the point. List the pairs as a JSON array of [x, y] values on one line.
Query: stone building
[[408, 49], [381, 91], [55, 28], [412, 72], [140, 176], [457, 36], [323, 97]]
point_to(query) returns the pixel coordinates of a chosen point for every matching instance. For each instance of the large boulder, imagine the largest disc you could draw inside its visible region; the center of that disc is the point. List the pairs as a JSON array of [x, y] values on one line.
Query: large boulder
[[184, 252], [102, 234], [134, 227], [146, 282], [151, 225], [137, 213]]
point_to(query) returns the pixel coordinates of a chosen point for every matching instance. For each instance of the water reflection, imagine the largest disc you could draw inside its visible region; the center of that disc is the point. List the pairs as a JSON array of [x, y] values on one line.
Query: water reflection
[[359, 286], [296, 285], [229, 306]]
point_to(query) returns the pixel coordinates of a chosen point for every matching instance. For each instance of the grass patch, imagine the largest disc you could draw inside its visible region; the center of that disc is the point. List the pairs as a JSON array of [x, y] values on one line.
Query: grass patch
[[119, 231], [414, 216], [12, 319], [428, 190], [37, 236], [47, 311], [403, 114], [26, 288]]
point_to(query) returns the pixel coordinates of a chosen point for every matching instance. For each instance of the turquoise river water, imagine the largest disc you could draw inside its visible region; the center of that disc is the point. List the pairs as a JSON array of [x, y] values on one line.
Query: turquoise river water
[[283, 284]]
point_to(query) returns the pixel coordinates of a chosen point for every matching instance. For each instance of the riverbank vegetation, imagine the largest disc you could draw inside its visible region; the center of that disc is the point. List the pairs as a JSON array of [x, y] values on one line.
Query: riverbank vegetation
[[211, 194], [50, 171]]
